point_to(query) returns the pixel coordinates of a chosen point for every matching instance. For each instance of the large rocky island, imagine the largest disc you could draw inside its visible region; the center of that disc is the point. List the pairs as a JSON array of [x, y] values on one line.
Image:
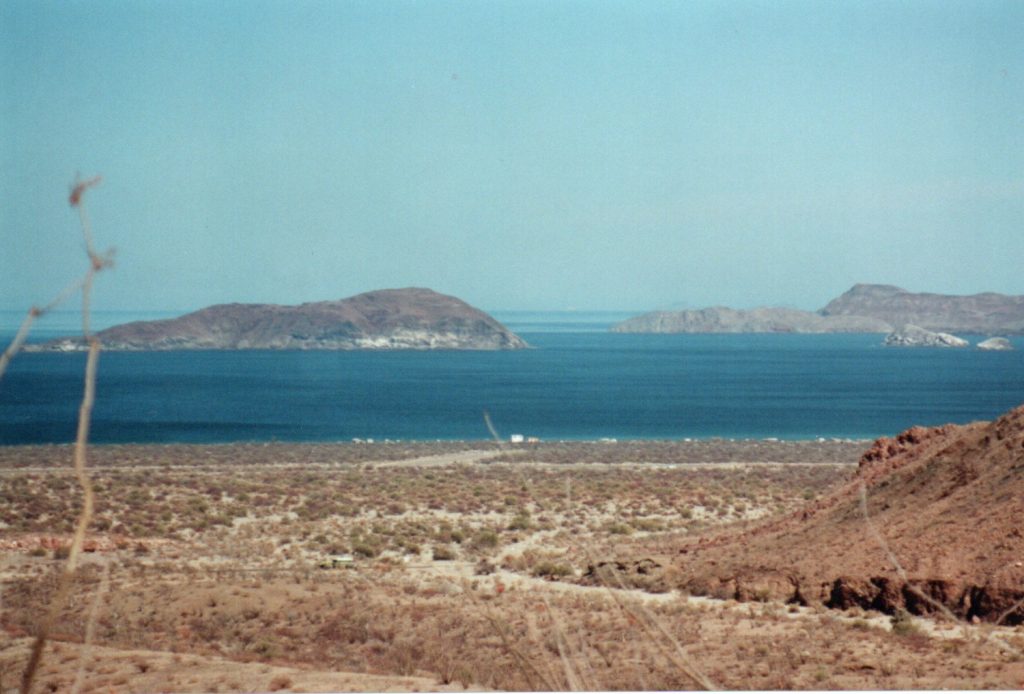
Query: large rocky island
[[721, 319], [411, 318], [986, 314], [865, 308]]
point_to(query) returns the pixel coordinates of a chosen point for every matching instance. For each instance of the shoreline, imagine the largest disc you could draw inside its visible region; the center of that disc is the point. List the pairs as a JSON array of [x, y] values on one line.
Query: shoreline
[[277, 453]]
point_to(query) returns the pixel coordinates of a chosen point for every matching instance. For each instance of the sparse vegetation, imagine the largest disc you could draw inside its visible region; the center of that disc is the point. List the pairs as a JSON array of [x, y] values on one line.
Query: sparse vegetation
[[459, 588]]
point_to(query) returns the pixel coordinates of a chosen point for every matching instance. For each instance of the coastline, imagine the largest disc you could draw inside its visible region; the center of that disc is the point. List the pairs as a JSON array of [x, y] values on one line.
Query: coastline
[[278, 454]]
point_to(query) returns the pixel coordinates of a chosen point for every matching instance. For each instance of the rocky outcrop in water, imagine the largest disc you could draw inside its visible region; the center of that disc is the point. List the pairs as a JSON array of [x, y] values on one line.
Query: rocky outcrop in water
[[914, 336], [995, 344], [387, 319]]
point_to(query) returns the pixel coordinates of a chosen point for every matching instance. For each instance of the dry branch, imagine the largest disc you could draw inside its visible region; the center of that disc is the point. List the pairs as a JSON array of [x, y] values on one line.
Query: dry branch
[[97, 263]]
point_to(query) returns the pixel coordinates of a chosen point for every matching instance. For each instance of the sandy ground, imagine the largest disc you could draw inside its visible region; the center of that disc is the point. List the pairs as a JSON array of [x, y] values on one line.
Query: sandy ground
[[207, 575]]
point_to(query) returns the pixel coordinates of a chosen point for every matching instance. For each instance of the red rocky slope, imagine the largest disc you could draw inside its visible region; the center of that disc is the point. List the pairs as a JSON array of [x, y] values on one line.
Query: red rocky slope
[[949, 503]]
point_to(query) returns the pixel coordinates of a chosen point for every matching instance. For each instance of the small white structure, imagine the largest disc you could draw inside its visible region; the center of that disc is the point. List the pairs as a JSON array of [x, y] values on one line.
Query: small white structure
[[338, 561], [516, 438]]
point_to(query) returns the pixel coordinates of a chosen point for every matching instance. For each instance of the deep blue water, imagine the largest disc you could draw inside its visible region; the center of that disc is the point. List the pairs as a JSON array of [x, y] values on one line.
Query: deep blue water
[[577, 383]]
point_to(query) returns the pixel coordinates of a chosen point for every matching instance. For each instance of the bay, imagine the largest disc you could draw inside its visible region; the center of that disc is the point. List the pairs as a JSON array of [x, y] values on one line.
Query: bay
[[578, 382]]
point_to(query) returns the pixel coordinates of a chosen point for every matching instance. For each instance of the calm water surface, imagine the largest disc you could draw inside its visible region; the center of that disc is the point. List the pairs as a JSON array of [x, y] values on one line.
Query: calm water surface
[[578, 382]]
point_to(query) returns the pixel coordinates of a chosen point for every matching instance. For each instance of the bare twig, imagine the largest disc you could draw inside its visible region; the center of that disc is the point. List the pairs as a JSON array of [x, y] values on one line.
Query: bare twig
[[525, 665], [90, 629], [1013, 608], [654, 629], [84, 518], [490, 428], [943, 610], [96, 264], [571, 676], [36, 312]]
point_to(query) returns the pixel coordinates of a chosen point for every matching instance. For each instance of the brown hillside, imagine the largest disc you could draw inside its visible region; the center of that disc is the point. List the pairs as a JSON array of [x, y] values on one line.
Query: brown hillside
[[949, 502]]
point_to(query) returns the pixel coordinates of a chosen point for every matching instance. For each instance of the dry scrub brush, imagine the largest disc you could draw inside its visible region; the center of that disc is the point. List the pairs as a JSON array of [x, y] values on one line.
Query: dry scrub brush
[[572, 654], [97, 263]]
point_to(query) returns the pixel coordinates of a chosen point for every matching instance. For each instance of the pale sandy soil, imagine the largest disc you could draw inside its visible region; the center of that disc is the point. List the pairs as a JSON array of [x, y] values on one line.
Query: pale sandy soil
[[98, 668], [214, 582]]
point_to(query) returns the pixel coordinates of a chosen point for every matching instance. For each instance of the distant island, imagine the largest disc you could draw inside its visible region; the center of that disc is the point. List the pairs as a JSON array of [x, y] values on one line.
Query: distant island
[[865, 308], [387, 319]]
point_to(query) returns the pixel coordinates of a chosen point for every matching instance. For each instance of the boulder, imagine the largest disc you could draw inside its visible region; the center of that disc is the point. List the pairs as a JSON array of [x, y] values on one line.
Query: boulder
[[913, 336], [995, 344]]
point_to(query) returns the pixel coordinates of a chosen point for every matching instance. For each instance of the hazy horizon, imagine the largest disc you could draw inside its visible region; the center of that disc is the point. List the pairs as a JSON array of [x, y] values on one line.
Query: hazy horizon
[[518, 155]]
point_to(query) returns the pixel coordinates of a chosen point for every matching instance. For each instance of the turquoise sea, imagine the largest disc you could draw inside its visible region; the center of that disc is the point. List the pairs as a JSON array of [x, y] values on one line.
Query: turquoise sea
[[578, 382]]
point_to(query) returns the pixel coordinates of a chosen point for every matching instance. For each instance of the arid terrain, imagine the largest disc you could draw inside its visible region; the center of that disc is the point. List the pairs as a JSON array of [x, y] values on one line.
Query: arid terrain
[[453, 566]]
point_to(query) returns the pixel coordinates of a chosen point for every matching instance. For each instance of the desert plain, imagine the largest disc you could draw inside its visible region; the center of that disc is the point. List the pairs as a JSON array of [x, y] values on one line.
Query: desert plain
[[453, 566]]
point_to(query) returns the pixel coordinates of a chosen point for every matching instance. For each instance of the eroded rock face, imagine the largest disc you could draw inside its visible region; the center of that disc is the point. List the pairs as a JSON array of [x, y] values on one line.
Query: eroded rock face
[[913, 336], [995, 344], [891, 452], [382, 320], [931, 517]]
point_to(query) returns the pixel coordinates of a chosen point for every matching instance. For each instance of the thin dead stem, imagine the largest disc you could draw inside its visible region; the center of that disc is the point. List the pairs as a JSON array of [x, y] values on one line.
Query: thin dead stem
[[96, 264], [943, 610], [571, 676], [535, 636], [84, 518], [35, 313], [655, 630], [90, 629], [1013, 608], [490, 428], [528, 669], [591, 680]]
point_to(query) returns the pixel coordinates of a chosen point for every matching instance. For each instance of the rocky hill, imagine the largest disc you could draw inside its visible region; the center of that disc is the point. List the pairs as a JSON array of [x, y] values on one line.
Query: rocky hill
[[987, 313], [946, 503], [865, 308], [411, 318]]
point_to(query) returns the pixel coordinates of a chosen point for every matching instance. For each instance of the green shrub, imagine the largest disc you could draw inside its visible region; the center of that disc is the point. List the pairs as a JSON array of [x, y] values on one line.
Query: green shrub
[[485, 539], [443, 553], [364, 549], [550, 569], [903, 624], [521, 522], [649, 525]]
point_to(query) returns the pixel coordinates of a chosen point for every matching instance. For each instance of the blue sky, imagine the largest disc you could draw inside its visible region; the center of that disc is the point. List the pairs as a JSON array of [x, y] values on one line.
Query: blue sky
[[520, 155]]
